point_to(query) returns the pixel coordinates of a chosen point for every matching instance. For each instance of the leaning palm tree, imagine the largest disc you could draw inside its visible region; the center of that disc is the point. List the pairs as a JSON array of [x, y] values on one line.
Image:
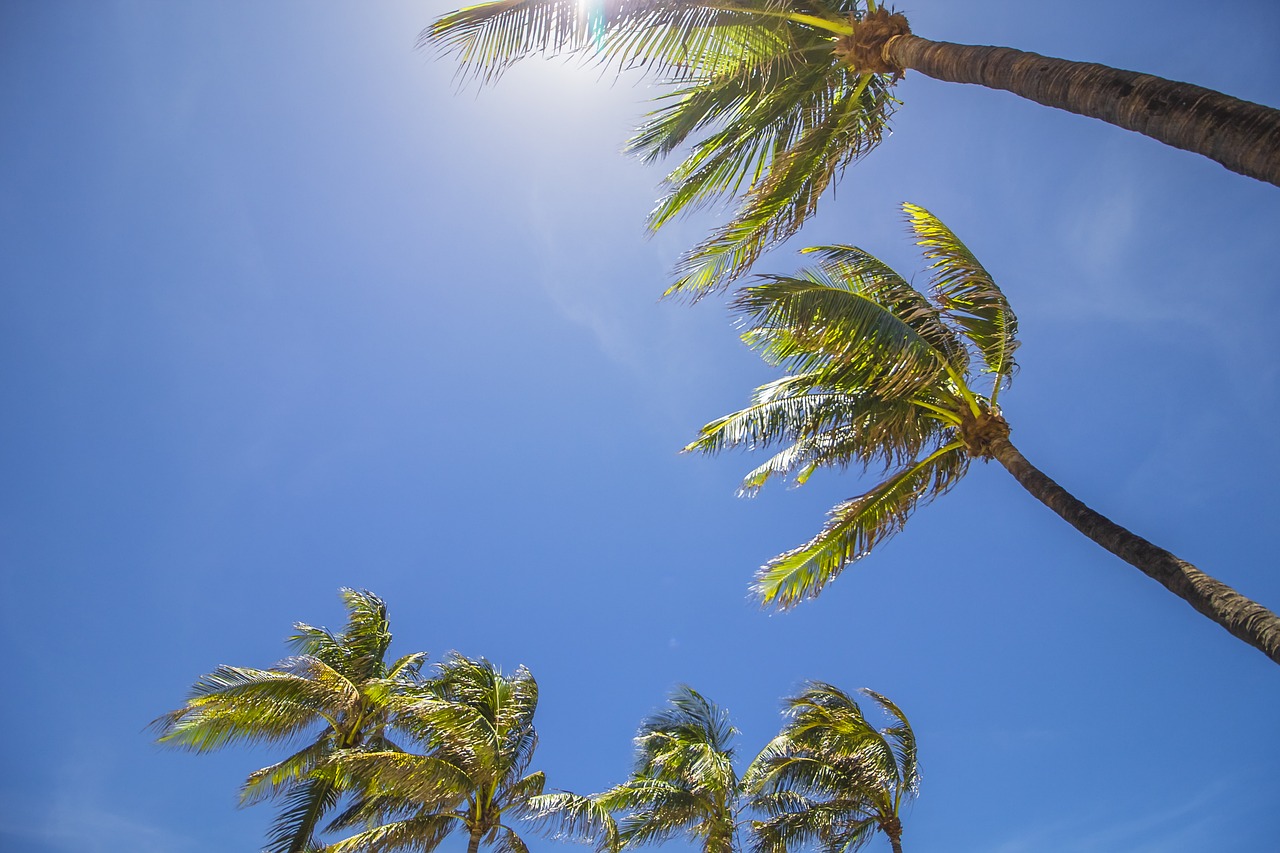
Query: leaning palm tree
[[475, 729], [335, 692], [882, 375], [683, 782], [777, 97], [831, 778]]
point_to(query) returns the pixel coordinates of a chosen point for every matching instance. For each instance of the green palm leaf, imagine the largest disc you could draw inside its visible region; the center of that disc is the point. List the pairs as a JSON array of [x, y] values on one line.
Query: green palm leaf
[[281, 777], [423, 832], [569, 816], [858, 344], [674, 39], [858, 525], [968, 294], [293, 830]]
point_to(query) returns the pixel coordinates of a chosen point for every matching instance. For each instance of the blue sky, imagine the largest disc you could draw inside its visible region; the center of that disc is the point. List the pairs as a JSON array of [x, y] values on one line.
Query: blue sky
[[284, 312]]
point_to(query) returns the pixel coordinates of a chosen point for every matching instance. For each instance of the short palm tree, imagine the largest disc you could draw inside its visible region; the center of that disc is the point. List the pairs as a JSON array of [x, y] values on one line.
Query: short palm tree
[[474, 726], [779, 96], [683, 782], [882, 375], [831, 778], [335, 692]]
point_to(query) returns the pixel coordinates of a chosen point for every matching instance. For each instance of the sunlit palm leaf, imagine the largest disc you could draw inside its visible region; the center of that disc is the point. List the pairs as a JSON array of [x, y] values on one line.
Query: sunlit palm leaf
[[573, 817], [904, 742], [424, 832], [792, 830], [281, 777], [294, 828], [856, 526], [243, 705], [851, 342], [674, 38], [840, 129], [968, 294]]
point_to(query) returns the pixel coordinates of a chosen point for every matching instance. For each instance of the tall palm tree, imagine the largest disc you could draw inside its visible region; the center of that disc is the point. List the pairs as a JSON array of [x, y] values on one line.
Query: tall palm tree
[[683, 782], [881, 375], [475, 728], [337, 686], [782, 95], [831, 777]]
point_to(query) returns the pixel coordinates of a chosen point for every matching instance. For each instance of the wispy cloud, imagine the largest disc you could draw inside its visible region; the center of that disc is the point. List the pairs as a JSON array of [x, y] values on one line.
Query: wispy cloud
[[1188, 825], [83, 828]]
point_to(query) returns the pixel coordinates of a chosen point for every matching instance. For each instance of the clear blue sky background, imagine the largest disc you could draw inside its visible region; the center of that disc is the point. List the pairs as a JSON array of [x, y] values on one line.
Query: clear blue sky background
[[284, 312]]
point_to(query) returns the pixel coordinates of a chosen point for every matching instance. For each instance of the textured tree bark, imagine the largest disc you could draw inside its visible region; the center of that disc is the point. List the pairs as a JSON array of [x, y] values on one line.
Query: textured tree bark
[[1243, 618], [1243, 136], [897, 845]]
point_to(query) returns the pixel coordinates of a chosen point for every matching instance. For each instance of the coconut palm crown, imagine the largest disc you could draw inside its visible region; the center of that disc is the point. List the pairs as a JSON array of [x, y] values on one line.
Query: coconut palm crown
[[474, 729], [831, 778], [881, 376], [683, 783], [774, 98], [334, 693]]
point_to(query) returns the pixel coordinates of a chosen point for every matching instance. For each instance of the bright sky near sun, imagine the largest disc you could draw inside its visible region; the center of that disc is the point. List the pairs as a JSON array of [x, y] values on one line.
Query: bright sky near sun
[[284, 311]]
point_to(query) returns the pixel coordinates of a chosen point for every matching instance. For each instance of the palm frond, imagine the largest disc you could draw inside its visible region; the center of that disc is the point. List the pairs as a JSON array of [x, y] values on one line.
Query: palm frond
[[573, 817], [367, 634], [244, 705], [417, 781], [506, 840], [421, 832], [858, 525], [281, 777], [846, 339], [968, 294], [793, 829], [293, 829], [904, 742], [842, 123], [675, 38]]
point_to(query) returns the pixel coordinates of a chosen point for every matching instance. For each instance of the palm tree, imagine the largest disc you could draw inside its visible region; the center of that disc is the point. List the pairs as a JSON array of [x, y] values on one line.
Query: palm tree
[[831, 777], [785, 93], [337, 685], [881, 375], [683, 782], [475, 727]]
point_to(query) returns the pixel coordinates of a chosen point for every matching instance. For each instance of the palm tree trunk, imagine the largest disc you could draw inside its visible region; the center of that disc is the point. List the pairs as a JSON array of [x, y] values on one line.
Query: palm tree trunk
[[1243, 136], [1245, 619], [473, 845]]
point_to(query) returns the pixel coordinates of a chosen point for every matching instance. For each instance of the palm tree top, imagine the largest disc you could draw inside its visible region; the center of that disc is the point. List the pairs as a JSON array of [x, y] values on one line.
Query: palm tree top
[[879, 376], [831, 777], [770, 85]]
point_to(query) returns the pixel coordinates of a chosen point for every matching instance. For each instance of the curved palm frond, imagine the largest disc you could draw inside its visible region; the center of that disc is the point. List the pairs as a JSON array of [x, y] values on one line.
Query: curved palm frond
[[782, 112], [423, 832], [294, 828], [568, 816], [281, 777], [675, 39], [849, 339], [858, 525], [793, 166], [968, 295], [243, 705]]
